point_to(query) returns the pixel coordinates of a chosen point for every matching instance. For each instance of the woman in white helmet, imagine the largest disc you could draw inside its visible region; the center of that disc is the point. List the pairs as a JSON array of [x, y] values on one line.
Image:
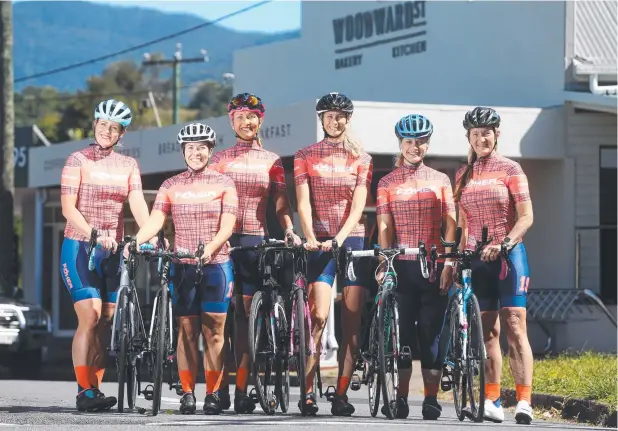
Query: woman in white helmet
[[203, 204], [95, 184]]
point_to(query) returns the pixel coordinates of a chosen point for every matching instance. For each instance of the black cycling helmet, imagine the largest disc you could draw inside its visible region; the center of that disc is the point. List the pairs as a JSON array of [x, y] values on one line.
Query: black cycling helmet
[[481, 117], [334, 102]]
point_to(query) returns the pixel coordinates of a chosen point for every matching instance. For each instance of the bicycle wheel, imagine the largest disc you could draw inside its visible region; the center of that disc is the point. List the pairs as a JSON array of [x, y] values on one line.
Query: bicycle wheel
[[133, 362], [388, 339], [300, 344], [123, 347], [160, 349], [453, 358], [262, 350], [475, 361], [372, 367], [282, 379]]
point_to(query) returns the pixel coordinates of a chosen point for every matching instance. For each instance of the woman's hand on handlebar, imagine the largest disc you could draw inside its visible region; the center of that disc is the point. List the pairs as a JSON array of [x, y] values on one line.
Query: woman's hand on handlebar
[[491, 253], [291, 238], [108, 243], [313, 244]]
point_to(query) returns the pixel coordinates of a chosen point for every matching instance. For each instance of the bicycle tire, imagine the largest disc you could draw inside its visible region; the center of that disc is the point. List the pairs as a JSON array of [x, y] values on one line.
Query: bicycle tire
[[256, 344], [160, 350], [388, 304], [478, 356], [123, 343], [373, 374], [132, 370], [301, 355], [453, 354], [282, 371]]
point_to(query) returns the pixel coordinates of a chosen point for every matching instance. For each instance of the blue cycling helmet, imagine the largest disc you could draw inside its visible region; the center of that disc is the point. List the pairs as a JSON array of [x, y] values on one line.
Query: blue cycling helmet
[[413, 126], [113, 110]]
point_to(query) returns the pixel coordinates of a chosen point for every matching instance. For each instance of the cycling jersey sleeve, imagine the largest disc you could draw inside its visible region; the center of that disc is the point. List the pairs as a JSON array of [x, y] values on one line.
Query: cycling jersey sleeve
[[277, 177], [135, 178], [365, 171], [517, 183], [163, 201], [229, 198], [383, 204], [448, 203], [300, 169], [71, 176]]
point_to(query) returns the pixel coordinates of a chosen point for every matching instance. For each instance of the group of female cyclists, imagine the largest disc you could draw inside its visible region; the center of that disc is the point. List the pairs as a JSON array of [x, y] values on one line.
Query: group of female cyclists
[[222, 199]]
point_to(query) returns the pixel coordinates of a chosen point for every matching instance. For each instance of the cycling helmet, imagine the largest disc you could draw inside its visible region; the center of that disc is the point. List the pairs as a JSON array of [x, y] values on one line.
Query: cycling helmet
[[113, 110], [481, 117], [246, 102], [413, 126], [196, 132], [334, 102]]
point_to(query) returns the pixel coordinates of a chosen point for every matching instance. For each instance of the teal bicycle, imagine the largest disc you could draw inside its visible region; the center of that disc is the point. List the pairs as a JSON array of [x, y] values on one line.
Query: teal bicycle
[[381, 355]]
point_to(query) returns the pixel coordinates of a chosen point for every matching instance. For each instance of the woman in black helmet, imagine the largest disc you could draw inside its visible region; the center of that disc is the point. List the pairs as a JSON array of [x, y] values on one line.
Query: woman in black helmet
[[332, 180]]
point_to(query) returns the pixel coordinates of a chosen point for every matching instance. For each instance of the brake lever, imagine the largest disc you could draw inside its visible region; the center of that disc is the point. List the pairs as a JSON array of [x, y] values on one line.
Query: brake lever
[[423, 258], [433, 264]]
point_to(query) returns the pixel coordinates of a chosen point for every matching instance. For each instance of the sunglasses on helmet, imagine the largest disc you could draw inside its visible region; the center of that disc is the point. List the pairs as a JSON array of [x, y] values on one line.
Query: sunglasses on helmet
[[246, 101]]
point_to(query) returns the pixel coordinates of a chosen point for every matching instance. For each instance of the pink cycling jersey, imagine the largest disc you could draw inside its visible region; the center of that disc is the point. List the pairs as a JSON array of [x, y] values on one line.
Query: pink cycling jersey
[[256, 173], [489, 198], [102, 181], [197, 200], [418, 198], [332, 174]]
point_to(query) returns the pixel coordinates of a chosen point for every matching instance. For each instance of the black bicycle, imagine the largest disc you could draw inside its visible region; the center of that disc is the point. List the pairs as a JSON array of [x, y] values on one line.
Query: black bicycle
[[381, 355], [461, 340], [128, 337], [161, 334]]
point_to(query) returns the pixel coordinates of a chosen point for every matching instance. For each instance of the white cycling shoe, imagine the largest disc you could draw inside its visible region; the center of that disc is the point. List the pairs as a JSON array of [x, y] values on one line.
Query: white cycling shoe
[[493, 412], [523, 413]]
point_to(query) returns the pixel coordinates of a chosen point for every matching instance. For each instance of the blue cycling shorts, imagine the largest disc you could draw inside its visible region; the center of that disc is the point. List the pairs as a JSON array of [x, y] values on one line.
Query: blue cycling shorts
[[246, 276], [493, 293], [321, 265], [211, 295], [101, 283]]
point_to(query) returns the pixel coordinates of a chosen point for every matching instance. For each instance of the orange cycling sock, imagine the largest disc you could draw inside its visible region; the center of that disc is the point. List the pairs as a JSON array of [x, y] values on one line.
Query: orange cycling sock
[[96, 376], [187, 380], [213, 381], [342, 385], [431, 389], [242, 377], [82, 375], [524, 393], [492, 391]]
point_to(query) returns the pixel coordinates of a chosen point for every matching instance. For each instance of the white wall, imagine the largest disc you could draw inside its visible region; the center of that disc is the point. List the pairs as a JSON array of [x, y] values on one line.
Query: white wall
[[477, 52], [586, 132]]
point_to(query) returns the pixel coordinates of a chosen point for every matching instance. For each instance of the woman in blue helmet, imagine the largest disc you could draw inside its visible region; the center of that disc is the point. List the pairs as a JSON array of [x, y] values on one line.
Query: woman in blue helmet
[[414, 203], [96, 181]]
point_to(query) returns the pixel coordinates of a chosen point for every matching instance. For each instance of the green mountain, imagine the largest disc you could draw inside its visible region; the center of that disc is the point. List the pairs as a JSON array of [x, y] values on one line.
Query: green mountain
[[49, 35]]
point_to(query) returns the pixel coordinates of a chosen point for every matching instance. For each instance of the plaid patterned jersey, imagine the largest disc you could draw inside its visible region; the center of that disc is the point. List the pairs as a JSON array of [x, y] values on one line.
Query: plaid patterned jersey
[[197, 200], [332, 174], [102, 181], [418, 199], [489, 198], [256, 173]]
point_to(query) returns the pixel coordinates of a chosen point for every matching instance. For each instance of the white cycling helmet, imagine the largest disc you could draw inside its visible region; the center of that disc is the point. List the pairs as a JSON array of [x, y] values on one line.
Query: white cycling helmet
[[113, 110], [197, 132]]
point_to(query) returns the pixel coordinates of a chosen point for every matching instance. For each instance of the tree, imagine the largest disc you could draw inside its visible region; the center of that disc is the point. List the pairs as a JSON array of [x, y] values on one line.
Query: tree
[[7, 124], [210, 99]]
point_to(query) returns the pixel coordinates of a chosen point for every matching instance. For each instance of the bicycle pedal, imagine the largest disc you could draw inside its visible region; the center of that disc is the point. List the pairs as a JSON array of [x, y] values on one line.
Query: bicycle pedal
[[253, 396], [446, 383], [148, 393], [273, 402], [405, 357], [355, 384], [330, 393], [180, 391]]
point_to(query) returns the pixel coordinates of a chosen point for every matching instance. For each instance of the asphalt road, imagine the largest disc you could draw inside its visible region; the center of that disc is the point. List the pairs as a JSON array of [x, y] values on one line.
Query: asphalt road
[[46, 405]]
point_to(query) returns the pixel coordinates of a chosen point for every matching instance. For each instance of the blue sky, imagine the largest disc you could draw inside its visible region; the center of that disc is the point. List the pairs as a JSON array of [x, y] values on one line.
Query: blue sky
[[279, 15]]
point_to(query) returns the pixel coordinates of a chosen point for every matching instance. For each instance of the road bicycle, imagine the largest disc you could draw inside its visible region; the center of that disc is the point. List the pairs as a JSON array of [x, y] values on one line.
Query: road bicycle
[[461, 340], [279, 324], [162, 351], [381, 355]]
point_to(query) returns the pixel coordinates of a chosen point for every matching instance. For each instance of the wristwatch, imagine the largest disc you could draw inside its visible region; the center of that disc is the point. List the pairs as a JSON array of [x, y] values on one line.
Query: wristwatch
[[449, 263], [507, 242]]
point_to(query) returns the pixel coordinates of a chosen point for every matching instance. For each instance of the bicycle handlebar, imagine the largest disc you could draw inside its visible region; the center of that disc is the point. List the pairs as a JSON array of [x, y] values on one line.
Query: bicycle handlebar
[[274, 244]]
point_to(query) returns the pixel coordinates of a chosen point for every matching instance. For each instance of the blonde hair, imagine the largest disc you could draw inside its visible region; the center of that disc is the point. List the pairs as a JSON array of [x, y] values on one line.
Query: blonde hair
[[352, 144]]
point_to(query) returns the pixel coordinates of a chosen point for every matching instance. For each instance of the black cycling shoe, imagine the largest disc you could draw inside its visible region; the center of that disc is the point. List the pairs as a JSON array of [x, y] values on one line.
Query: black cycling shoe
[[187, 404], [224, 397], [432, 410], [105, 403], [311, 405], [243, 404], [401, 407], [93, 400], [212, 404], [341, 406]]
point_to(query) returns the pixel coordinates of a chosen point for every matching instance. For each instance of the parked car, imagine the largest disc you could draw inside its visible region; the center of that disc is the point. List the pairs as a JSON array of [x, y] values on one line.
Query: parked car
[[25, 334]]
